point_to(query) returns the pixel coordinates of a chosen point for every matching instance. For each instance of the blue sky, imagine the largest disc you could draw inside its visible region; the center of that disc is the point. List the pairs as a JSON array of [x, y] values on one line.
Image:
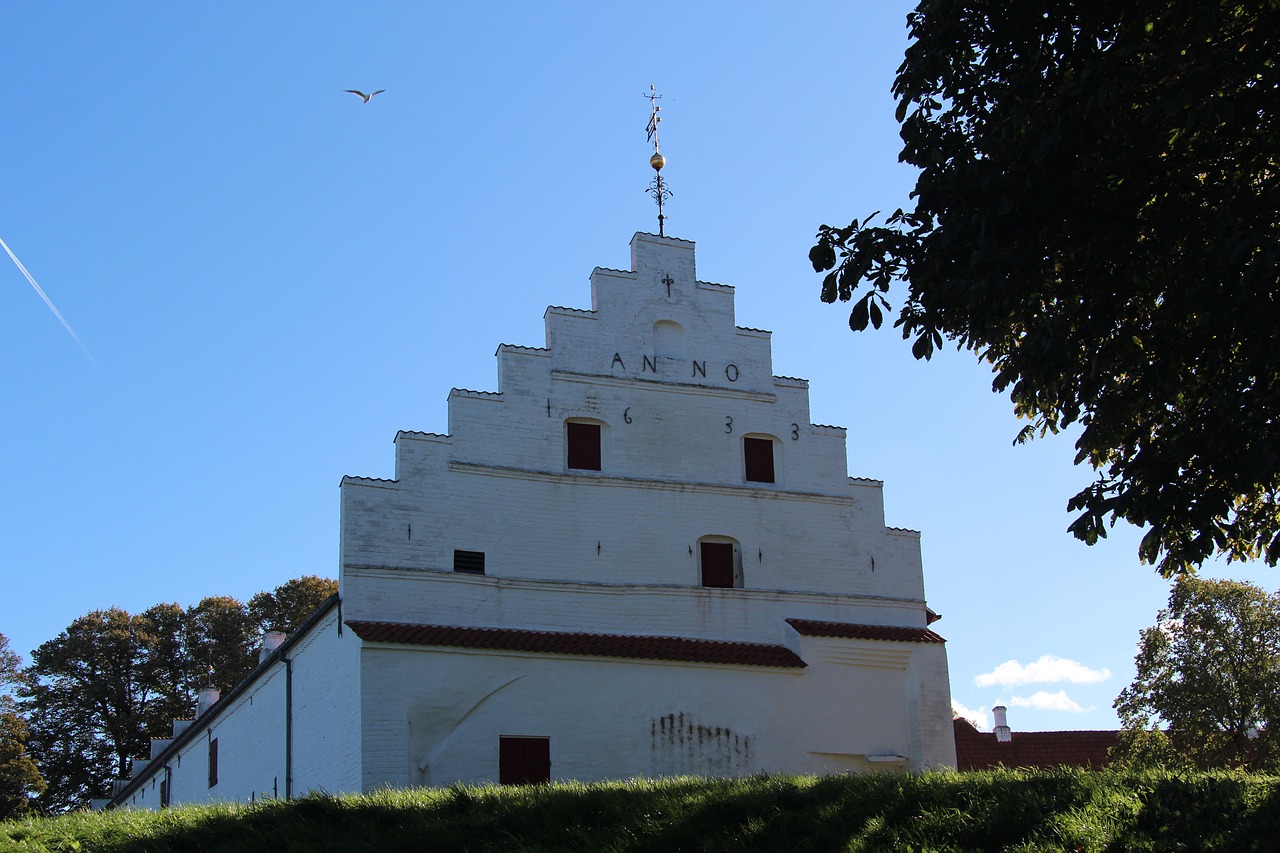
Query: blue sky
[[269, 278]]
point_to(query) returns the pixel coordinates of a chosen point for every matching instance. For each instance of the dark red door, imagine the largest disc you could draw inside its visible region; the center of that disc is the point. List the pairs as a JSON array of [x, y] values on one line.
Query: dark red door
[[584, 446], [717, 564], [524, 760], [759, 458]]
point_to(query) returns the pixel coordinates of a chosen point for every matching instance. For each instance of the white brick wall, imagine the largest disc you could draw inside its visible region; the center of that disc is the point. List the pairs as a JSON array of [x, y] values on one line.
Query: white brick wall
[[250, 730], [433, 717], [614, 551], [326, 709], [250, 738]]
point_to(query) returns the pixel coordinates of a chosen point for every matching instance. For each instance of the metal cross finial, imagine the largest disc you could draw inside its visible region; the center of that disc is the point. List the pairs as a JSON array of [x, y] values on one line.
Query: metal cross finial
[[658, 188], [654, 118]]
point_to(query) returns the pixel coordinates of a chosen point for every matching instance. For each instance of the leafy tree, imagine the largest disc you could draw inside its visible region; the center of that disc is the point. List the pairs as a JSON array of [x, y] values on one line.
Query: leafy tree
[[10, 667], [1097, 216], [219, 637], [19, 776], [1148, 749], [287, 606], [99, 692], [1208, 670], [171, 664], [95, 693]]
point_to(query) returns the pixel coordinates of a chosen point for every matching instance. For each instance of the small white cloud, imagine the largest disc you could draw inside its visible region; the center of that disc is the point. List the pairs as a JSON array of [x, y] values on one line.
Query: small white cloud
[[1044, 701], [1048, 669], [977, 717]]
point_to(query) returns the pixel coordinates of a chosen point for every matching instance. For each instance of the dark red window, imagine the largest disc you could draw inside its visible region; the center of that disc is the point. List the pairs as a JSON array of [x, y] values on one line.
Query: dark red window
[[213, 762], [584, 446], [524, 760], [717, 564], [758, 453]]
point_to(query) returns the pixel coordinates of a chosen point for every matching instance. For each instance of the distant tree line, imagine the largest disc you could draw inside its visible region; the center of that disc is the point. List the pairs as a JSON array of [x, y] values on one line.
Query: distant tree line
[[93, 697]]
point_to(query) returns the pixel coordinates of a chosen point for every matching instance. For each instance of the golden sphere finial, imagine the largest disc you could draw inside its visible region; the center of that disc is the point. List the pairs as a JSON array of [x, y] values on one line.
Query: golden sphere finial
[[657, 161]]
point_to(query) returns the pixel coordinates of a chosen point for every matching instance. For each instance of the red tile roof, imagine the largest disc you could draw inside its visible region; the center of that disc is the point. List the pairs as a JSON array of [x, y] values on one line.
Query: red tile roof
[[589, 645], [977, 750], [848, 630]]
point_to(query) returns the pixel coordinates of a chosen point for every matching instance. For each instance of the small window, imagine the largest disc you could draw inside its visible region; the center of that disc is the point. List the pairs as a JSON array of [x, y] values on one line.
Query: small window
[[584, 445], [524, 760], [213, 762], [164, 794], [468, 562], [758, 455], [717, 564]]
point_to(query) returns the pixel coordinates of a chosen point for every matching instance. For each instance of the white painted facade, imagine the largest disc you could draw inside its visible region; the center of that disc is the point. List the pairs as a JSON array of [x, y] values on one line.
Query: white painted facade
[[577, 558], [268, 741]]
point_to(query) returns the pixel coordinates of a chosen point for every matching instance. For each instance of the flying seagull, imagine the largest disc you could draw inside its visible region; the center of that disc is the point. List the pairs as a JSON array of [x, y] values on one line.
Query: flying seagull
[[358, 93]]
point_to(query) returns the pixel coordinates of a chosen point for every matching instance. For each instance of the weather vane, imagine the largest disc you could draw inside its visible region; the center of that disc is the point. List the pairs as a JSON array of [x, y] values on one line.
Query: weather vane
[[658, 188]]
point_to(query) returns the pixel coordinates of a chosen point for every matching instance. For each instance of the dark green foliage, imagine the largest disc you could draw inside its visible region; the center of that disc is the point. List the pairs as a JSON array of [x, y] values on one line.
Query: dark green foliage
[[997, 810], [1148, 748], [94, 696], [1097, 215], [19, 778], [1208, 672], [10, 666], [288, 605], [218, 640]]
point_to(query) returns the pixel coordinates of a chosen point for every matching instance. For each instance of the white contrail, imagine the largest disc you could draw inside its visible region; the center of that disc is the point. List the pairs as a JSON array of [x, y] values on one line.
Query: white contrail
[[46, 299]]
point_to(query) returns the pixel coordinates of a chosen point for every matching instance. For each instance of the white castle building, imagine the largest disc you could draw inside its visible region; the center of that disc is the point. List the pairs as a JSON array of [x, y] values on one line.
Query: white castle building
[[637, 558]]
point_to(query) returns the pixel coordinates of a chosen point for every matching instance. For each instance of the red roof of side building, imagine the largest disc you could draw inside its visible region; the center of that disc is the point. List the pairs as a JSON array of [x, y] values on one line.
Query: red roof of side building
[[573, 643], [977, 750], [852, 631]]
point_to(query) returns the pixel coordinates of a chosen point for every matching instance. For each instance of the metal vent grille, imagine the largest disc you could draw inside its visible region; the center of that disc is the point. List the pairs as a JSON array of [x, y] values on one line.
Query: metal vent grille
[[469, 562]]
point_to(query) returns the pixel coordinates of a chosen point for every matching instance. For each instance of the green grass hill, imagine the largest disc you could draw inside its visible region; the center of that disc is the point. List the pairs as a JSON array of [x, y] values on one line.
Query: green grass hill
[[998, 810]]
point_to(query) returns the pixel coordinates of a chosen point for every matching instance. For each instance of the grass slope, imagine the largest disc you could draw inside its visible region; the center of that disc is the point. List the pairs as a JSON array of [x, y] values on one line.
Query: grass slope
[[1000, 810]]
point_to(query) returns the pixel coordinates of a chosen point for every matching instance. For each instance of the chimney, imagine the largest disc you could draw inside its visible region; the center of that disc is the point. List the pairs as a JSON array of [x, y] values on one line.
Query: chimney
[[1003, 733], [270, 642], [205, 700]]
